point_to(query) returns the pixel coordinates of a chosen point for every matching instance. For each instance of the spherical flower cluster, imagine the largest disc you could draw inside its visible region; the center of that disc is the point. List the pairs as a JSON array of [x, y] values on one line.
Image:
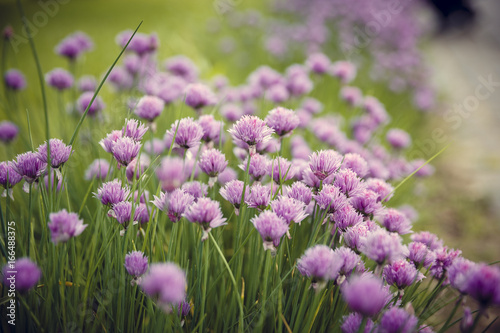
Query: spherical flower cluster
[[15, 80], [232, 192], [8, 175], [149, 107], [397, 320], [355, 293], [280, 170], [64, 225], [112, 192], [282, 121], [199, 95], [166, 282], [249, 131], [207, 214], [186, 133], [24, 275], [59, 153], [136, 263], [382, 246], [258, 168], [212, 162], [320, 263], [174, 204], [271, 228], [395, 221], [259, 196], [59, 78], [401, 274], [289, 209], [324, 163], [29, 166], [83, 103]]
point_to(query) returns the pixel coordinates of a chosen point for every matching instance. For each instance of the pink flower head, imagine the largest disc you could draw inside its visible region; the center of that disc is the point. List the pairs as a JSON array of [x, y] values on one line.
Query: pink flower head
[[382, 246], [8, 175], [348, 182], [330, 198], [366, 202], [134, 129], [199, 95], [59, 78], [250, 131], [112, 192], [289, 209], [8, 131], [171, 173], [183, 67], [355, 293], [259, 166], [232, 192], [211, 128], [320, 263], [318, 63], [352, 95], [15, 80], [59, 153], [346, 217], [212, 162], [356, 163], [282, 121], [398, 138], [29, 166], [324, 163], [401, 274], [149, 107], [271, 228], [207, 214], [125, 150], [187, 132], [84, 100], [259, 196], [136, 263], [299, 191], [343, 70], [280, 170], [395, 221], [25, 274], [64, 225]]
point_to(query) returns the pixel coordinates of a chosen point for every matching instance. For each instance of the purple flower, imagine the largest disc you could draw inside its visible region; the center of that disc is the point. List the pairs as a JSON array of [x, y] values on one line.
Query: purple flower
[[277, 93], [231, 111], [211, 128], [346, 217], [356, 163], [183, 67], [108, 142], [330, 198], [348, 182], [382, 246], [69, 47], [344, 70], [324, 163], [121, 79], [423, 170], [125, 150], [432, 241], [23, 276], [420, 254], [167, 282], [352, 323], [8, 131], [174, 204], [312, 105], [318, 63], [375, 110], [8, 175], [320, 263], [401, 274], [395, 221], [14, 80], [64, 225], [136, 263], [380, 187], [259, 196], [141, 213], [282, 121], [207, 214], [482, 282], [87, 83], [398, 138], [280, 170], [59, 153], [212, 162], [351, 95], [112, 192], [137, 169], [289, 209], [366, 202], [134, 129], [199, 95], [298, 85], [251, 130], [271, 228], [149, 107], [457, 272], [196, 189], [444, 259], [264, 77], [29, 166], [355, 236], [259, 166], [59, 78], [188, 135], [232, 192], [227, 175], [299, 191], [355, 293], [122, 212], [83, 103], [350, 261], [171, 173], [396, 320]]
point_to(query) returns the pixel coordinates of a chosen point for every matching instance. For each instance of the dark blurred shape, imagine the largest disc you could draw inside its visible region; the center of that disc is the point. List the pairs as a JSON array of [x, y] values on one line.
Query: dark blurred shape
[[454, 14]]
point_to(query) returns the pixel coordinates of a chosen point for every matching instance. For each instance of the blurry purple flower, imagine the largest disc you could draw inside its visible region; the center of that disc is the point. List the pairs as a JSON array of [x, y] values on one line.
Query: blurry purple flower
[[444, 259], [84, 100], [64, 225], [141, 213], [397, 320], [398, 138], [467, 320], [318, 63], [352, 95], [419, 254], [227, 175], [8, 175], [15, 80], [271, 228], [171, 173], [182, 66], [312, 105], [457, 273], [149, 107], [355, 236], [112, 192], [395, 221], [366, 202], [134, 129], [137, 169], [8, 131], [432, 241], [383, 247], [277, 94], [211, 128], [207, 214], [355, 293], [482, 283], [350, 261], [409, 212], [352, 323], [166, 282], [264, 77], [59, 78], [321, 264], [59, 153], [356, 163], [425, 170], [344, 70], [24, 275], [231, 111], [87, 83], [199, 95], [121, 79], [155, 147]]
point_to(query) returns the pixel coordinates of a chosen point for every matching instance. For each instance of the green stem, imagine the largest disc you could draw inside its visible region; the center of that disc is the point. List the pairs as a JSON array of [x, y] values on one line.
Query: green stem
[[238, 296], [267, 267], [450, 317], [204, 281]]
